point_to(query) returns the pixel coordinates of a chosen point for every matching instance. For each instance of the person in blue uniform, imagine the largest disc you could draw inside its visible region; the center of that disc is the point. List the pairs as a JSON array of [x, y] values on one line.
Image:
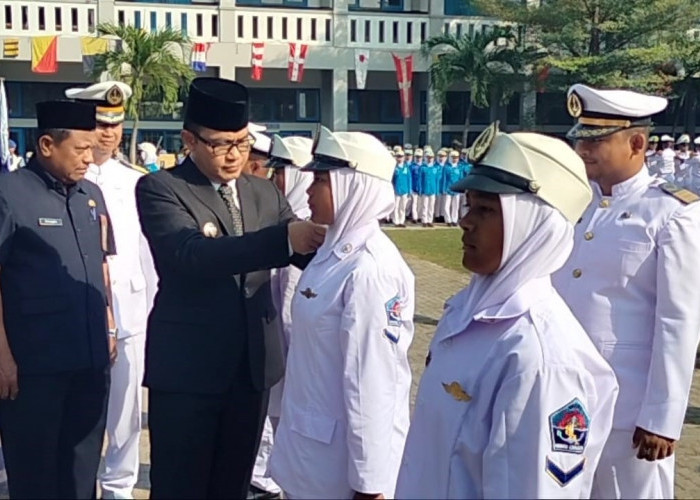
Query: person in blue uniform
[[429, 183], [415, 185], [402, 188], [451, 174], [55, 235]]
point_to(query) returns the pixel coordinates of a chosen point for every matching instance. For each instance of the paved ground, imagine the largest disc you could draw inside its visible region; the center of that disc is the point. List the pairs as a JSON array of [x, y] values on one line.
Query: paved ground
[[434, 285]]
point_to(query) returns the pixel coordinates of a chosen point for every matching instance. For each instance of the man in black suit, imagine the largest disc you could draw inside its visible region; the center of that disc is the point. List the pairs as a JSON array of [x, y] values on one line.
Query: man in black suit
[[213, 347]]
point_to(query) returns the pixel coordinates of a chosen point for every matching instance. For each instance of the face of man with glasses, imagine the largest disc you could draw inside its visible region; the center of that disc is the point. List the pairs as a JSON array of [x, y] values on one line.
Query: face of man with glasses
[[221, 156]]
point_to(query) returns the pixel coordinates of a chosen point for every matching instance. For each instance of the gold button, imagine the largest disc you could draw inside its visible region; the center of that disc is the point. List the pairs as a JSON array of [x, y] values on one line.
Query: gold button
[[604, 203], [577, 273], [588, 236]]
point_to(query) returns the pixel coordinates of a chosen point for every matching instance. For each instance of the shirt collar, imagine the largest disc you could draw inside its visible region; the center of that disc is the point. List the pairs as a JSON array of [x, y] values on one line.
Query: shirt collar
[[354, 240], [519, 303], [638, 180], [231, 183], [51, 181]]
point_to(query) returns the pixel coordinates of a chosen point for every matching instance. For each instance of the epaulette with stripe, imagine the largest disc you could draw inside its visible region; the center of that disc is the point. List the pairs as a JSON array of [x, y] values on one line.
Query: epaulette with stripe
[[131, 166], [683, 195]]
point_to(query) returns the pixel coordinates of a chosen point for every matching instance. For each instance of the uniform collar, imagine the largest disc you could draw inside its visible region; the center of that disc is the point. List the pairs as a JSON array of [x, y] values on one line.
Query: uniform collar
[[519, 303], [51, 181], [638, 180], [353, 240]]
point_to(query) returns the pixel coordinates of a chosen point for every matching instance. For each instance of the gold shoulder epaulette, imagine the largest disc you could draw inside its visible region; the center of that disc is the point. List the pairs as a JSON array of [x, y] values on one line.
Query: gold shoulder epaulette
[[133, 167], [684, 195]]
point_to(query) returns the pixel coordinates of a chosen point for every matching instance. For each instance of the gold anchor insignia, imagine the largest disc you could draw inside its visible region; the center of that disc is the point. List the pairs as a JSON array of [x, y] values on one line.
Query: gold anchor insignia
[[483, 143], [115, 96], [455, 390], [309, 294], [574, 105]]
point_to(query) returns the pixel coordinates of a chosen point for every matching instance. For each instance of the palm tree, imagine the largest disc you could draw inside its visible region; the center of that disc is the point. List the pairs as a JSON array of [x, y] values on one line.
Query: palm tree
[[493, 64], [153, 64]]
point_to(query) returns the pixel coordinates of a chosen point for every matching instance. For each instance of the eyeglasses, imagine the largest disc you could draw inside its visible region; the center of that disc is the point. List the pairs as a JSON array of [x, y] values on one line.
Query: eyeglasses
[[221, 149]]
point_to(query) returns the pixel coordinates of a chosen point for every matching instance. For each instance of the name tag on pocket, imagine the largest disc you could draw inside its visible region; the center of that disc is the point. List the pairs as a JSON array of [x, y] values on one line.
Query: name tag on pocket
[[47, 222]]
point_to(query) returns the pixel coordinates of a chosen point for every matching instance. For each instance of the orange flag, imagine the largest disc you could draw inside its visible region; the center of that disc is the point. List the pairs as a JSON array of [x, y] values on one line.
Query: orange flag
[[44, 58]]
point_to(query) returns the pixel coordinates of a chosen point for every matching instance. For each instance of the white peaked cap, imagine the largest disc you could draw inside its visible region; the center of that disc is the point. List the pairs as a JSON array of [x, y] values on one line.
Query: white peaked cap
[[697, 140], [256, 127], [147, 147], [262, 142], [603, 112], [683, 139], [666, 138], [294, 150], [109, 98], [356, 150], [525, 162]]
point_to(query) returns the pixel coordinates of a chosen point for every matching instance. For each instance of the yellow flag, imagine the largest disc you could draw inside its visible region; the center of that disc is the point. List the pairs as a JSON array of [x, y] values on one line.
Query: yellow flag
[[44, 58], [91, 45], [11, 47]]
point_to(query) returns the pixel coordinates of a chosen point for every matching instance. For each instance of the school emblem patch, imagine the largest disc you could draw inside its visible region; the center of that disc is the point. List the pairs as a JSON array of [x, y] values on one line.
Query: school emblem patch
[[569, 427], [393, 311]]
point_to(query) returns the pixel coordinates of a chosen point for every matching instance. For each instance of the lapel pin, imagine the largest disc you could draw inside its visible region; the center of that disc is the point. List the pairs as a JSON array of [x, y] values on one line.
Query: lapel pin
[[209, 230], [308, 293], [455, 390]]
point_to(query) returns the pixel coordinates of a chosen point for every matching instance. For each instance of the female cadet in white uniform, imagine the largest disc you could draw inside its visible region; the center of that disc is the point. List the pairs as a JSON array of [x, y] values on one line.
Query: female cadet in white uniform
[[286, 157], [345, 407], [515, 401]]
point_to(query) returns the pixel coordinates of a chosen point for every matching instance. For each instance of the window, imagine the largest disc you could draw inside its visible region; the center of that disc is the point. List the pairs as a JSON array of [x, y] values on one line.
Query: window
[[284, 28], [300, 35], [183, 23], [255, 27], [395, 32], [353, 30], [551, 109], [423, 104], [120, 18], [391, 138], [57, 18], [74, 19], [25, 17], [22, 97], [91, 20], [459, 30], [455, 110], [42, 19], [392, 5], [328, 30], [240, 26], [368, 30], [8, 17], [423, 31], [154, 22], [471, 30], [460, 8], [200, 25], [137, 20], [168, 20], [284, 105], [513, 110], [409, 32], [215, 25], [270, 31], [446, 29], [295, 133], [313, 29], [374, 106], [381, 31]]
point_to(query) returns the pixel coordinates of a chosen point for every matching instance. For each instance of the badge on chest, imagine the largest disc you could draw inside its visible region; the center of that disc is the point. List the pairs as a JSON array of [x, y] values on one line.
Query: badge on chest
[[50, 222]]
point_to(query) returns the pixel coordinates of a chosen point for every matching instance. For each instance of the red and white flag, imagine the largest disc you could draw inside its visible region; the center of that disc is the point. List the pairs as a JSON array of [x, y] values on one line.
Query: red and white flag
[[199, 56], [404, 78], [297, 58], [256, 62], [361, 63]]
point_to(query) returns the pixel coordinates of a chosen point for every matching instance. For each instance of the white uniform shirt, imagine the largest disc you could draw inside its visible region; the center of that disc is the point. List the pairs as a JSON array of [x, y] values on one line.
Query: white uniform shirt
[[668, 164], [131, 270], [691, 174], [345, 409], [633, 283], [529, 369]]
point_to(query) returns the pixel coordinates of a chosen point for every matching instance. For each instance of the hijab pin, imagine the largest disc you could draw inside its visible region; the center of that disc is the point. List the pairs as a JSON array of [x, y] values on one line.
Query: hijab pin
[[625, 215], [347, 248]]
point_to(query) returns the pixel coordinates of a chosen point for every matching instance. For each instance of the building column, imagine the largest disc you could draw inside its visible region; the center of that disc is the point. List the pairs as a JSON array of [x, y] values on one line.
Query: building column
[[106, 12], [227, 21], [434, 135], [339, 89]]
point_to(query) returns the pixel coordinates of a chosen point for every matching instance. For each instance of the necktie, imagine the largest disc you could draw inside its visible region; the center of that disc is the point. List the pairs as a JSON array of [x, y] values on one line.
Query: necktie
[[226, 194]]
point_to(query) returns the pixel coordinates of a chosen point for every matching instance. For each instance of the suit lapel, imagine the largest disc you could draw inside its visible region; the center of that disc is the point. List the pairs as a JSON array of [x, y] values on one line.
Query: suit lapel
[[247, 200], [201, 187]]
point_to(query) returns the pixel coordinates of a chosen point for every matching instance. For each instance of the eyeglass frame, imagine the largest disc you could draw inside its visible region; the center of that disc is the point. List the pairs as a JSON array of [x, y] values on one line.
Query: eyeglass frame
[[250, 140]]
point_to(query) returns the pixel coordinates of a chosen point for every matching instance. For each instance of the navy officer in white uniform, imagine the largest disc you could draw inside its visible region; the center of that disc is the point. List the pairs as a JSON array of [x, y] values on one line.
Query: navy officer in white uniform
[[515, 401], [632, 282], [133, 285]]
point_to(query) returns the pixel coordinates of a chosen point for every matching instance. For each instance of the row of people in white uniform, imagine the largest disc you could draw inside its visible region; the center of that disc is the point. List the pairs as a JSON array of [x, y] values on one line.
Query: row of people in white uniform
[[562, 371], [675, 161]]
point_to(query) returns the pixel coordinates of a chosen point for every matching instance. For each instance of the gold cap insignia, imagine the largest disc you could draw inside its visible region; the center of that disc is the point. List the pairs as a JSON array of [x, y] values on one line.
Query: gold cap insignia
[[115, 96], [483, 143], [455, 390], [574, 105], [92, 203], [209, 230]]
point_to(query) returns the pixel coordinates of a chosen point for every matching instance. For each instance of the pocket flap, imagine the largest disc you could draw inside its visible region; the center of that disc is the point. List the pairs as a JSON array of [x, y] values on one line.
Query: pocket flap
[[314, 426], [138, 283], [44, 305]]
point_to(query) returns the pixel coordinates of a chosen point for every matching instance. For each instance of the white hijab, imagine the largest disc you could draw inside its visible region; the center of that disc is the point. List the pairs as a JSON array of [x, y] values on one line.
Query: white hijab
[[359, 200], [537, 241], [296, 183]]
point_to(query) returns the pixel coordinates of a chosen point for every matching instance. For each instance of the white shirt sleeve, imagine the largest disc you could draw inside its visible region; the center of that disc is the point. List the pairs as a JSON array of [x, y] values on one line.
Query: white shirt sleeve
[[677, 325], [372, 347], [522, 459]]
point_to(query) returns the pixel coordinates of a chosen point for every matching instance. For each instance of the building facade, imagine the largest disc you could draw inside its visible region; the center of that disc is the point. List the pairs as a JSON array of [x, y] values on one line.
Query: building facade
[[333, 31]]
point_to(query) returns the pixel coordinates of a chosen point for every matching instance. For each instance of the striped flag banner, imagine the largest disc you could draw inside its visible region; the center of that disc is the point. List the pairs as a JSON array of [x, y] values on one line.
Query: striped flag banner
[[90, 47], [404, 79], [297, 58], [44, 58], [256, 60], [10, 48], [199, 56], [5, 158]]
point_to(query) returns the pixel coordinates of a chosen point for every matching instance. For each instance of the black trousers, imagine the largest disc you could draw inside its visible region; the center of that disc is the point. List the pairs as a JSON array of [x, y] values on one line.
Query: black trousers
[[52, 434], [203, 445]]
